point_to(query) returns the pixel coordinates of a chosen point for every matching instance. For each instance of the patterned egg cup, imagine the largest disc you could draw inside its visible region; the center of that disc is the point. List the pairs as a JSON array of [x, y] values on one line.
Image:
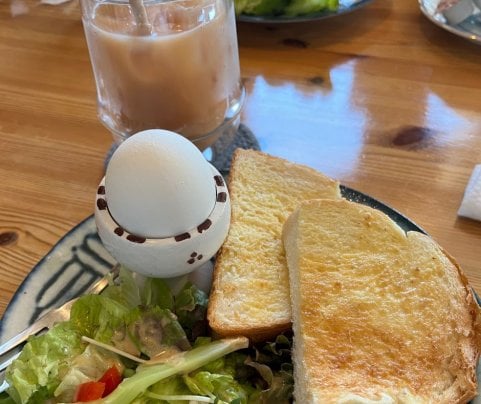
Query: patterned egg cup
[[166, 257]]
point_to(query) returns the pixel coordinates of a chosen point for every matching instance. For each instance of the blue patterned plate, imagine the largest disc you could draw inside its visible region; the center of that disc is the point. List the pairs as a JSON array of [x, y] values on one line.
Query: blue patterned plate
[[75, 262], [79, 258]]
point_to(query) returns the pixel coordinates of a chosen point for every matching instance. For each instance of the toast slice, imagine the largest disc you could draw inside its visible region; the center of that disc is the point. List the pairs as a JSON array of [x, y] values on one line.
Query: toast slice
[[378, 314], [250, 290]]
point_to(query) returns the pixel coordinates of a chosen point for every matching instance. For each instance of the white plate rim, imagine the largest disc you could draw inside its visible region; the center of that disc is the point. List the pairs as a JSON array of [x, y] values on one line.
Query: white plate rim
[[450, 28]]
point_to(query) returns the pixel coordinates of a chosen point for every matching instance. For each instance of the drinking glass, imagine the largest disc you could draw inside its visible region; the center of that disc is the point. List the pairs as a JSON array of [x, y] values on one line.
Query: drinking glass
[[167, 64]]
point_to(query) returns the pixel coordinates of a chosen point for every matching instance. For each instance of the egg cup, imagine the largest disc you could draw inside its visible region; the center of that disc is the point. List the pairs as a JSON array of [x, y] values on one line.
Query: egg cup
[[171, 256]]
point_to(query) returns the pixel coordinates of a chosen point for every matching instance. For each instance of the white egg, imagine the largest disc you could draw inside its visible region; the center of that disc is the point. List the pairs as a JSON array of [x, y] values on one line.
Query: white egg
[[158, 184]]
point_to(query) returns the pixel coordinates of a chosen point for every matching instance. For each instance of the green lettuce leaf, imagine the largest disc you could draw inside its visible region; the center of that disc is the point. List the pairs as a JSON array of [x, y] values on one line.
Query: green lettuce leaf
[[98, 317], [273, 363], [153, 329], [172, 386], [125, 290], [262, 7], [156, 292], [289, 8], [301, 7], [6, 399], [43, 362], [191, 307], [218, 386]]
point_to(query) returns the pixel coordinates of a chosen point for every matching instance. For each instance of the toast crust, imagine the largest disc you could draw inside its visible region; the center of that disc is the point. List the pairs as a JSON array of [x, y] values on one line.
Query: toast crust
[[250, 289], [378, 314]]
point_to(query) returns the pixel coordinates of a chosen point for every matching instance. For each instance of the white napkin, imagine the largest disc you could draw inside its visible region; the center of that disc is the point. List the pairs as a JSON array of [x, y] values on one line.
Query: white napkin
[[471, 204]]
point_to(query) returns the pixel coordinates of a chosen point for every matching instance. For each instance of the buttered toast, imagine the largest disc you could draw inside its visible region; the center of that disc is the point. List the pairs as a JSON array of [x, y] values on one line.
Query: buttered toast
[[378, 315], [250, 291]]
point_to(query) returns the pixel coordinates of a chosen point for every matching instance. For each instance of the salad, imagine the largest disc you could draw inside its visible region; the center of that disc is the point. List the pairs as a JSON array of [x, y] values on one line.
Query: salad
[[290, 8], [142, 342]]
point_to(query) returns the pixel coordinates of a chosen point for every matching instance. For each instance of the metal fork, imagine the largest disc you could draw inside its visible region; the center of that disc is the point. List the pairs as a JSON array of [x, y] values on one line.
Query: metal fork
[[8, 351]]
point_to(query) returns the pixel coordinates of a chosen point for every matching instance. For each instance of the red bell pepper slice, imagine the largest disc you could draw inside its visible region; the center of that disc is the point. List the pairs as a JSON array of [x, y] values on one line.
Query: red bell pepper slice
[[90, 391], [111, 379]]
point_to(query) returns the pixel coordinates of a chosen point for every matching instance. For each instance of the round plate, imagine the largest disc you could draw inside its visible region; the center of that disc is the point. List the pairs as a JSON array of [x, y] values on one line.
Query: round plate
[[74, 263], [79, 258], [345, 6], [469, 29]]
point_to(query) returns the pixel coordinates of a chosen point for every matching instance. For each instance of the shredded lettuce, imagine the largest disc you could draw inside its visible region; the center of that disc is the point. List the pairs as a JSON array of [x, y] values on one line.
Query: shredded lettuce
[[126, 290], [157, 292], [261, 7], [153, 329], [172, 386], [88, 366], [36, 373], [302, 7], [191, 307], [98, 317], [147, 375], [289, 8], [6, 399], [218, 386], [146, 318]]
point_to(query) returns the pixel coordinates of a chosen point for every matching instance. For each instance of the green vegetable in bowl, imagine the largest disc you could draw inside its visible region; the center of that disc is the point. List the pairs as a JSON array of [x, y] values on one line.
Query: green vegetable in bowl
[[289, 8]]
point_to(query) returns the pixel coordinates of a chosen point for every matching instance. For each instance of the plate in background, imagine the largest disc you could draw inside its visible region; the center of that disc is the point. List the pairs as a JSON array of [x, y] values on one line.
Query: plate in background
[[469, 29], [345, 6]]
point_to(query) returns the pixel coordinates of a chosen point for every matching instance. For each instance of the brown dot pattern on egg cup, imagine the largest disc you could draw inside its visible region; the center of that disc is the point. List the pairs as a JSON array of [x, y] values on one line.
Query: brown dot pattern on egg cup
[[204, 225], [182, 237], [219, 181], [136, 239], [221, 197], [101, 204], [194, 256]]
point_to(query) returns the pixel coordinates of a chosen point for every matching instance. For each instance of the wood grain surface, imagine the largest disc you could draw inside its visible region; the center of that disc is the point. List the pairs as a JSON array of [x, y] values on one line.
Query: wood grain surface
[[381, 99]]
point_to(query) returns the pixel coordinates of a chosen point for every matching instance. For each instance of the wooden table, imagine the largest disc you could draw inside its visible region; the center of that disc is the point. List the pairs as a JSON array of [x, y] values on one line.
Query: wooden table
[[381, 99]]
